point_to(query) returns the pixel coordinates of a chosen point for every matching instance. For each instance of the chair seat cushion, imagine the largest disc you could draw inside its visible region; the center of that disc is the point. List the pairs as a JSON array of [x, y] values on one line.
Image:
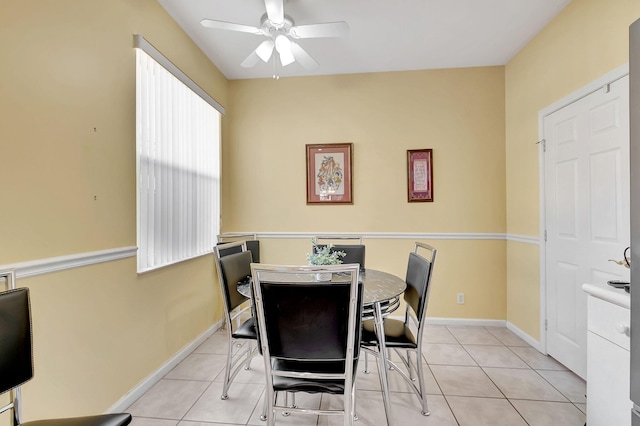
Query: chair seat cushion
[[247, 330], [396, 334], [118, 419], [310, 385]]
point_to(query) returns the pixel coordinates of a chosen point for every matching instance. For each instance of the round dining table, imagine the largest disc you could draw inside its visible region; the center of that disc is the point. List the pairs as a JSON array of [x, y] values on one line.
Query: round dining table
[[379, 287], [381, 296]]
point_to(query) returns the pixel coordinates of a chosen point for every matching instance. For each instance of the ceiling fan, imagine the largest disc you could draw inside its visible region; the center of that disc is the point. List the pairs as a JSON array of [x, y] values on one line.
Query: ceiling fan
[[281, 33]]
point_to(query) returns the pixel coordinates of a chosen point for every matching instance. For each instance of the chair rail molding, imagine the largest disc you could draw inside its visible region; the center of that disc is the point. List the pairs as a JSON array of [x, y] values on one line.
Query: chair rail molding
[[402, 235], [60, 263], [523, 239]]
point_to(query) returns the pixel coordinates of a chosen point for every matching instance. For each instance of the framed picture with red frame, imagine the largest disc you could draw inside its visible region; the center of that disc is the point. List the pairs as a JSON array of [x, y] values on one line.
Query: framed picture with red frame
[[420, 175], [329, 170]]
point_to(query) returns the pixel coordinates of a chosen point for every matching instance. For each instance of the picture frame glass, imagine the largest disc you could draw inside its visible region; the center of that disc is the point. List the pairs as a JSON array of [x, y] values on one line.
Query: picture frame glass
[[420, 175], [329, 168]]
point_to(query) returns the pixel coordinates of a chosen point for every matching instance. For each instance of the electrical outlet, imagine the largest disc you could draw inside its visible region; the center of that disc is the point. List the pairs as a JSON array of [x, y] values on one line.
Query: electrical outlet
[[460, 298]]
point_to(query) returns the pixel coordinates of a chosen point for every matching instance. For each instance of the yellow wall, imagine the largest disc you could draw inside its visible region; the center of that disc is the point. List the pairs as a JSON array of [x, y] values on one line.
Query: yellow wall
[[459, 113], [475, 268], [68, 66], [585, 41]]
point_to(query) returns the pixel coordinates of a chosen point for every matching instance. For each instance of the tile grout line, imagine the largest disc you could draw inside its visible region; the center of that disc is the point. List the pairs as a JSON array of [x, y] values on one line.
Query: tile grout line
[[489, 377], [423, 352]]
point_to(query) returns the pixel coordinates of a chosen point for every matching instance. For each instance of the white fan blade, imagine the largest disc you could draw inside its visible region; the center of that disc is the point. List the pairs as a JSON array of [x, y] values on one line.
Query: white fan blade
[[303, 57], [329, 29], [275, 10], [222, 25], [251, 60], [263, 51]]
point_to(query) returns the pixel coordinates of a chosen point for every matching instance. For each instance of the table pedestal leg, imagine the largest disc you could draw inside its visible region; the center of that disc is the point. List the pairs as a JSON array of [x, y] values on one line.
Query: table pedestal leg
[[382, 364]]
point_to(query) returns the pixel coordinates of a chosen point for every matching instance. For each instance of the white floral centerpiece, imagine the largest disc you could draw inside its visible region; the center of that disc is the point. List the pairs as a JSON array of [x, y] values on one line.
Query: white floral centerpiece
[[324, 255]]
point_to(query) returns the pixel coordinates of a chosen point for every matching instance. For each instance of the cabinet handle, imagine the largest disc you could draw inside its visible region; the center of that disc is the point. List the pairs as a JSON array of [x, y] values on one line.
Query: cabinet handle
[[622, 328]]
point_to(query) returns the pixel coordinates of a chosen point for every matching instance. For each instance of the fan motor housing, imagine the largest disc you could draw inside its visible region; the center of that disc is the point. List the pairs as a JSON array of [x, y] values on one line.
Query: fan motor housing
[[270, 27]]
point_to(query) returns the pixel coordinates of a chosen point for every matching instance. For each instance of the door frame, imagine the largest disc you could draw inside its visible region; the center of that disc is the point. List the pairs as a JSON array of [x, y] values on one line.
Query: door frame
[[590, 88]]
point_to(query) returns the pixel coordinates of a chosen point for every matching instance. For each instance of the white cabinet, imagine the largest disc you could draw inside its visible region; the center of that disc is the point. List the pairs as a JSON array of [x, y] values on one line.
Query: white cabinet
[[608, 342]]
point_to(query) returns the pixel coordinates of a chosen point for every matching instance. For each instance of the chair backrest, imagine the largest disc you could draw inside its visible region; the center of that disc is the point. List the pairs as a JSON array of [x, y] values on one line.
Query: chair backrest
[[354, 253], [254, 247], [303, 320], [224, 249], [418, 278], [234, 264], [16, 359], [231, 248], [251, 241]]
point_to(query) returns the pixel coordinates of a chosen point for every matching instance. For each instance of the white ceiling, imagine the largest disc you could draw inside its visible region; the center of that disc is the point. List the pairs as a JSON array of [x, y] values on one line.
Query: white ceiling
[[384, 35]]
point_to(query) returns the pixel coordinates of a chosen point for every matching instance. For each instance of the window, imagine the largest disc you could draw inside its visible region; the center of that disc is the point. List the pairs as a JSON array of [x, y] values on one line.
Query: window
[[178, 163]]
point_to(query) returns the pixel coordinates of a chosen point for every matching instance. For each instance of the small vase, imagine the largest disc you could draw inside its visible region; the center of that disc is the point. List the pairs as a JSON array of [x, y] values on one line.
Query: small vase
[[323, 276]]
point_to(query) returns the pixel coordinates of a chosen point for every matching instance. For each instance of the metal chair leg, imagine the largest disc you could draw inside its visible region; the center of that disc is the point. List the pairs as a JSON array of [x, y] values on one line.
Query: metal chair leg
[[247, 365], [227, 370], [353, 403], [286, 402], [267, 408], [412, 368], [423, 391], [233, 365]]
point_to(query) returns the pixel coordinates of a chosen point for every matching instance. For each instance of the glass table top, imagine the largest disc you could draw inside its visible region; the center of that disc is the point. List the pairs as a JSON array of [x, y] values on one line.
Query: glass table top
[[379, 286]]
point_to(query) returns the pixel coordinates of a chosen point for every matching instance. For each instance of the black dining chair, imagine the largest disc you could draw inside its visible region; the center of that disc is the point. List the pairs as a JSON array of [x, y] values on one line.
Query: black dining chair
[[233, 262], [309, 334], [351, 245], [405, 337], [251, 241], [16, 361]]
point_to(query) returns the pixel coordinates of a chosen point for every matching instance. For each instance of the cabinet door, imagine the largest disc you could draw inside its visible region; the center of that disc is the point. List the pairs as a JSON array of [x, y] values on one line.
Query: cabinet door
[[608, 400]]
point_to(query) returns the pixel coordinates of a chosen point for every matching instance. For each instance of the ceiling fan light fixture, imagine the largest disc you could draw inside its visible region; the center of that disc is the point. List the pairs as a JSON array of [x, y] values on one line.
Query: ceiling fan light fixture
[[281, 34], [265, 50], [283, 46], [286, 58]]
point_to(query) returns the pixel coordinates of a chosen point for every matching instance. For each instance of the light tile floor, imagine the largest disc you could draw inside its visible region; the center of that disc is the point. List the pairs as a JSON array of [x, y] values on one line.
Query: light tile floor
[[475, 376]]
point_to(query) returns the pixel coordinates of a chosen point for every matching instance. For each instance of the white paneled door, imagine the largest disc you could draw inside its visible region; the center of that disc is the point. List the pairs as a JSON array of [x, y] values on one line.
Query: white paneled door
[[586, 212]]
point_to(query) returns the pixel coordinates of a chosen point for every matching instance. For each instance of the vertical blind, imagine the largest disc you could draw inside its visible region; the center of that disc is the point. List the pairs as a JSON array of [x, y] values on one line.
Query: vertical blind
[[178, 168]]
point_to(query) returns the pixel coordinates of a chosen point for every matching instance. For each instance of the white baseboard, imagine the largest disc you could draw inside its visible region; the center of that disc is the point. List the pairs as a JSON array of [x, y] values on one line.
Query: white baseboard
[[488, 323], [466, 321], [134, 394], [524, 336]]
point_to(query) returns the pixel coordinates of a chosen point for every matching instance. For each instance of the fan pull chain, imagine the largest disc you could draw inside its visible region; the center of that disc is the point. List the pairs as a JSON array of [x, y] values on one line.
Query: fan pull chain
[[273, 61]]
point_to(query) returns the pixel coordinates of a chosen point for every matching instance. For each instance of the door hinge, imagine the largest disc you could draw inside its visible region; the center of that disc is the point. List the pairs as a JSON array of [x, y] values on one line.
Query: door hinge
[[545, 235], [545, 325], [543, 142]]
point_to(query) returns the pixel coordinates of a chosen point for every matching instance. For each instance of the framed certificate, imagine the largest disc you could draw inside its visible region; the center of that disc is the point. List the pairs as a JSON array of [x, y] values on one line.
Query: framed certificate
[[420, 175]]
